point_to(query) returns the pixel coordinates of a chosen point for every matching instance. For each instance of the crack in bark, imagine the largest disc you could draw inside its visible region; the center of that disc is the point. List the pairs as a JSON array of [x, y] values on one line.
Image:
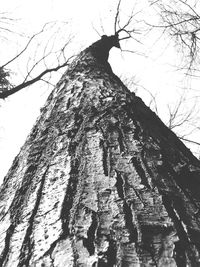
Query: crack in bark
[[179, 256], [109, 258], [5, 251], [112, 253], [120, 140], [78, 120], [137, 164], [69, 197], [121, 137], [190, 188], [27, 245], [104, 147], [89, 242], [133, 234], [52, 260], [119, 185], [184, 244], [50, 250], [75, 253]]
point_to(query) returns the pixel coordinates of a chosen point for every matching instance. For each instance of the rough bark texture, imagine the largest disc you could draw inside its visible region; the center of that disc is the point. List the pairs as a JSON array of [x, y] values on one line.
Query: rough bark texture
[[100, 181]]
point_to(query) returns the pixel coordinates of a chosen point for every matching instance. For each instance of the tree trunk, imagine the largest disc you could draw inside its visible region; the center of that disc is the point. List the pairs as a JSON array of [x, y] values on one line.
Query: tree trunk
[[100, 181]]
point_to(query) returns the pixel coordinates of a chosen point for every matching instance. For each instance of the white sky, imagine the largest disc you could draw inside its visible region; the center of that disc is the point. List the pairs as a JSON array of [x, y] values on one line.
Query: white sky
[[154, 72]]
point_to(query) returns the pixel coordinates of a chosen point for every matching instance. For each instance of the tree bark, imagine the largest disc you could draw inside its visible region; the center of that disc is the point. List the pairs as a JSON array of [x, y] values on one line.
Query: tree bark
[[100, 181]]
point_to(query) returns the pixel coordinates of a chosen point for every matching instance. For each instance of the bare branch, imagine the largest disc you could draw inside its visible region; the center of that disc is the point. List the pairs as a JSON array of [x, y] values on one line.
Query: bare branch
[[93, 27], [190, 141], [25, 48], [19, 87], [126, 29], [117, 16], [41, 56], [182, 22]]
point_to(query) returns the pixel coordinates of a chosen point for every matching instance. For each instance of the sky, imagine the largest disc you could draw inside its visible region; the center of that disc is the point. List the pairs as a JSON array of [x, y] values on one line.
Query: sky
[[151, 65]]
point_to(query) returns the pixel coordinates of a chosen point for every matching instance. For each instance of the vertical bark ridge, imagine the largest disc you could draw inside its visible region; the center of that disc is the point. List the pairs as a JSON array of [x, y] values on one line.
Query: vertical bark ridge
[[20, 198], [27, 244], [4, 254]]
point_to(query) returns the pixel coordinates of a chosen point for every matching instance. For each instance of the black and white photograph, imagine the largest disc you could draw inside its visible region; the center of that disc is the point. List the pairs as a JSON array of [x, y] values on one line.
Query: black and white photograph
[[100, 133]]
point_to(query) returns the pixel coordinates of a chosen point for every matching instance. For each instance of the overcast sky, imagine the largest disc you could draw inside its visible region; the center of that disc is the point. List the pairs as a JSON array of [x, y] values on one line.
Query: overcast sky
[[152, 67]]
